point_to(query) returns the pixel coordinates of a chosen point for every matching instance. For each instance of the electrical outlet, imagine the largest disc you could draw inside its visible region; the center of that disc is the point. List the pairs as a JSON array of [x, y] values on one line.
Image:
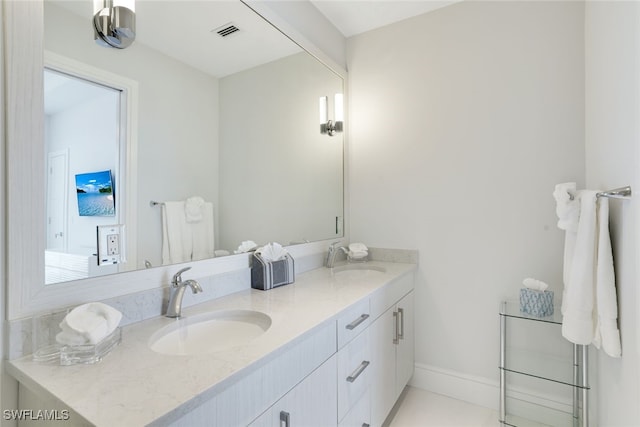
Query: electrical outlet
[[113, 244], [110, 244]]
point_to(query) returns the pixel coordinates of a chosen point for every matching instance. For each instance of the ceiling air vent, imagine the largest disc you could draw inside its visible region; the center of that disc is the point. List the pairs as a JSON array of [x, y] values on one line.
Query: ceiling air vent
[[225, 30]]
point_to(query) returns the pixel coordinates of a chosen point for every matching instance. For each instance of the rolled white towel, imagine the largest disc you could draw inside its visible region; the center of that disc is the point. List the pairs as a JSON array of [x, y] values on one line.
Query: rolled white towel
[[535, 284], [193, 209], [90, 323]]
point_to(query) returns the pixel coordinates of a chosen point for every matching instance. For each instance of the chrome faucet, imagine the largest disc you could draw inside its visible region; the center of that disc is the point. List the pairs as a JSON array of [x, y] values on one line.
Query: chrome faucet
[[331, 255], [175, 302]]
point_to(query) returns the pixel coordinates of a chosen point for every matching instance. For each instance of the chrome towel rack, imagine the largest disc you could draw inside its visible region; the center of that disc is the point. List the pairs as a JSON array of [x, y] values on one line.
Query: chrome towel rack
[[616, 193], [154, 203]]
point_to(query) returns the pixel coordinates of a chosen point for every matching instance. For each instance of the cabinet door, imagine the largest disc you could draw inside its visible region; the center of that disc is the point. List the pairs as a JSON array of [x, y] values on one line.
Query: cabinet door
[[383, 366], [405, 364], [312, 403]]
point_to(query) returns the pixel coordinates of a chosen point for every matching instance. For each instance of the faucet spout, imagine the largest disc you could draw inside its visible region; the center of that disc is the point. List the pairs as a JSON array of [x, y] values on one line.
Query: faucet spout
[[332, 254], [174, 309]]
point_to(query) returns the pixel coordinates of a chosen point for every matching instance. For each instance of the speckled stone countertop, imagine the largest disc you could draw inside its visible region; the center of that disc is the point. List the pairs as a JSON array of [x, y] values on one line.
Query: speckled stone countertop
[[134, 385]]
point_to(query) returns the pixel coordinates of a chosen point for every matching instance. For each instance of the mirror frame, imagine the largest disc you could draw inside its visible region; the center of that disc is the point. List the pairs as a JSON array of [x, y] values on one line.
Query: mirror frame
[[25, 190]]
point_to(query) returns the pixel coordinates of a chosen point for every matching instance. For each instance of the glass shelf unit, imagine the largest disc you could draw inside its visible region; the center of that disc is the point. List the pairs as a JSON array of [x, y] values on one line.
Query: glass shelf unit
[[571, 373]]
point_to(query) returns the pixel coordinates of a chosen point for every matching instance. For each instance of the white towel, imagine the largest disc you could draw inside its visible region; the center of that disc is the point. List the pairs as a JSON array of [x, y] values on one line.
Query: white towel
[[88, 324], [183, 241], [203, 234], [568, 212], [176, 236], [193, 209], [589, 306]]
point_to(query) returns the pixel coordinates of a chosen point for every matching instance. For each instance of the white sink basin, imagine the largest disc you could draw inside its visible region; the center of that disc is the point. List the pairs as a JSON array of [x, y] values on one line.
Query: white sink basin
[[209, 332], [358, 269]]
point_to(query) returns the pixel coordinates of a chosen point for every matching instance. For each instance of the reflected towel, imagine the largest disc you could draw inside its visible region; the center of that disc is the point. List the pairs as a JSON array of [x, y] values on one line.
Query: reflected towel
[[176, 234], [193, 209], [202, 234]]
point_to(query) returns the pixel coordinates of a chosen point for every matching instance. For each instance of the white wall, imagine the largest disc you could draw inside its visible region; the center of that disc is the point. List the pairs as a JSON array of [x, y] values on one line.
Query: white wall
[[303, 193], [612, 43], [462, 121], [169, 94]]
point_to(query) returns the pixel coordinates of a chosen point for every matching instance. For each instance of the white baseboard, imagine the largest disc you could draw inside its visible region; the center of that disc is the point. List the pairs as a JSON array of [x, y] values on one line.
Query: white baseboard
[[477, 390]]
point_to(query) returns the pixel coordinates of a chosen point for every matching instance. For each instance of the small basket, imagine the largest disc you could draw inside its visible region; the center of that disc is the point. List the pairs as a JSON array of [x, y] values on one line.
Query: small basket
[[536, 303], [267, 275]]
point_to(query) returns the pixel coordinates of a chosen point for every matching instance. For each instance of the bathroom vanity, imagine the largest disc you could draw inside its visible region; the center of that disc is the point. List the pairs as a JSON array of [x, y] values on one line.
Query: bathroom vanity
[[338, 351]]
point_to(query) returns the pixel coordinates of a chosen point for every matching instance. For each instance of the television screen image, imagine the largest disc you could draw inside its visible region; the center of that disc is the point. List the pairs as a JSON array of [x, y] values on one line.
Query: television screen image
[[95, 194]]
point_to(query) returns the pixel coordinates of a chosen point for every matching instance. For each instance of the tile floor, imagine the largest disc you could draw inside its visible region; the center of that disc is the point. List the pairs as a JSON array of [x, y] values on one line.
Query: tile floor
[[420, 408]]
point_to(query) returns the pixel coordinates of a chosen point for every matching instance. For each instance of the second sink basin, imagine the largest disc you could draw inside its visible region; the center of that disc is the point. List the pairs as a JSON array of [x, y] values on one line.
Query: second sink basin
[[358, 269], [209, 332]]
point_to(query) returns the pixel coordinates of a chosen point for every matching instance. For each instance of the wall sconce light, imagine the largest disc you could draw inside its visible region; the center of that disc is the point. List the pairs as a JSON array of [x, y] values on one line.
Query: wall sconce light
[[114, 22], [327, 126]]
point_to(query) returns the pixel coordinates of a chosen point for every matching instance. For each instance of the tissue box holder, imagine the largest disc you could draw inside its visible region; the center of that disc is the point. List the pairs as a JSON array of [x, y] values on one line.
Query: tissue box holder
[[536, 303], [267, 275]]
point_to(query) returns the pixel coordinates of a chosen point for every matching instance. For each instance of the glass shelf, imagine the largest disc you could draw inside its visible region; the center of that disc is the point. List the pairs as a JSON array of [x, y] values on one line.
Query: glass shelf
[[512, 309], [545, 367]]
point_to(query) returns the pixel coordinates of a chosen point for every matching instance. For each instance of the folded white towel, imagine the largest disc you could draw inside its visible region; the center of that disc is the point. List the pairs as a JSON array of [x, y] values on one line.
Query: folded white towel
[[358, 247], [535, 284], [246, 246], [358, 254], [193, 209], [88, 324], [272, 252]]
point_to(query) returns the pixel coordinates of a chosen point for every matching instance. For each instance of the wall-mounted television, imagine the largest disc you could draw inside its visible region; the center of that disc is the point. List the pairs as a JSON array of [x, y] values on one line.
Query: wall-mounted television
[[95, 194]]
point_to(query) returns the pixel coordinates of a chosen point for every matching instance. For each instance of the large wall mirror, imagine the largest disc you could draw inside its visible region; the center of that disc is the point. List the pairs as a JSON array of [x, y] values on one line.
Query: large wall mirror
[[184, 114]]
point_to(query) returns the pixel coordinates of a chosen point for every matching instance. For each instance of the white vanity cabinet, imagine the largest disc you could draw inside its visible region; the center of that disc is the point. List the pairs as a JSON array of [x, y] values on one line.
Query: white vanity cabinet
[[392, 343], [312, 403]]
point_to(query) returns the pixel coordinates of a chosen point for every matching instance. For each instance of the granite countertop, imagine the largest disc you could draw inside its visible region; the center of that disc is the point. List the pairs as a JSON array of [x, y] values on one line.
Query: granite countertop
[[134, 385]]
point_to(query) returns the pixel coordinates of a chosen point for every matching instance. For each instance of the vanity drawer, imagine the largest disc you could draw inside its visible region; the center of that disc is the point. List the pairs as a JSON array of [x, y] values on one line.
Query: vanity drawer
[[354, 369], [359, 415], [352, 321]]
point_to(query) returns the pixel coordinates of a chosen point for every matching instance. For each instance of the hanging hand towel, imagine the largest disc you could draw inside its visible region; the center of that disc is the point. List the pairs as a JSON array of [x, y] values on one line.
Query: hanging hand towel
[[202, 234], [194, 209], [176, 236], [589, 305]]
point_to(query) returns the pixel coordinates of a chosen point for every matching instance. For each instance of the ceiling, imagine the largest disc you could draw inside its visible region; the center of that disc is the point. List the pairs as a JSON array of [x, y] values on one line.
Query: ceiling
[[353, 17]]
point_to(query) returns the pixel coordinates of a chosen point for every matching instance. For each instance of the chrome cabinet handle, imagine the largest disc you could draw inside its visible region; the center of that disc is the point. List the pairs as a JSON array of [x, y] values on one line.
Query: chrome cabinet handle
[[365, 425], [284, 419], [357, 322], [354, 376], [401, 323], [395, 328]]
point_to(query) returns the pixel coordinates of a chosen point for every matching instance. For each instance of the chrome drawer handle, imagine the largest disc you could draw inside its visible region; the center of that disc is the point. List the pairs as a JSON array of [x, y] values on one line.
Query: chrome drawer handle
[[401, 328], [357, 322], [396, 339], [354, 376], [365, 425], [284, 419]]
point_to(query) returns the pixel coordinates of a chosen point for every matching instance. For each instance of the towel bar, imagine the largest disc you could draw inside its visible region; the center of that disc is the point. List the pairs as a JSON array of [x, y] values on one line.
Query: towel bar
[[616, 193], [154, 203]]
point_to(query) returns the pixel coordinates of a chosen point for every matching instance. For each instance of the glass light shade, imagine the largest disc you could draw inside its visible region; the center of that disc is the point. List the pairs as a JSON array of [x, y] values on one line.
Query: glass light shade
[[323, 110], [339, 108]]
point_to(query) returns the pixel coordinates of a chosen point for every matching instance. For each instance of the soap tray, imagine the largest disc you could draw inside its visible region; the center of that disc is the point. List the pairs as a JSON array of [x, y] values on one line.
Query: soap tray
[[86, 354]]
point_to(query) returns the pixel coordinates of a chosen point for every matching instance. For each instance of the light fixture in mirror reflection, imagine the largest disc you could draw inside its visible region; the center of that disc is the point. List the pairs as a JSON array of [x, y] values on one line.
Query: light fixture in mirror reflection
[[224, 119], [327, 126], [114, 23]]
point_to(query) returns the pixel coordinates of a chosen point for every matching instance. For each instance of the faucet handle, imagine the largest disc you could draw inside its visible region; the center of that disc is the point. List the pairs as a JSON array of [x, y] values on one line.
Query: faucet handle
[[177, 278]]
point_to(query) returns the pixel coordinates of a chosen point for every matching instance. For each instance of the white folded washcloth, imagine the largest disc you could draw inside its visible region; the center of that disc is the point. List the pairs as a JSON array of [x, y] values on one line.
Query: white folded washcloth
[[272, 252], [567, 206], [246, 246], [193, 209], [535, 284], [358, 254], [88, 324], [358, 247]]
